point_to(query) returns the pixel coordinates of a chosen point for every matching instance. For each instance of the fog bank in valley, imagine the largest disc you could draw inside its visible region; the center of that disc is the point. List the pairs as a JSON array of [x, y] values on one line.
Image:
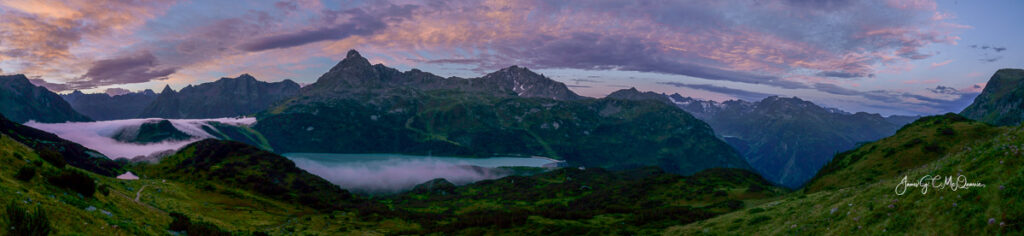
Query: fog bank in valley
[[395, 175], [98, 135]]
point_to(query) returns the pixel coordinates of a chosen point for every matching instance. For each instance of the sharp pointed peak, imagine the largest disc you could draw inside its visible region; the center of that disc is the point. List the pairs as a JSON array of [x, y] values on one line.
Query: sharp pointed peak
[[167, 89], [353, 54], [352, 59]]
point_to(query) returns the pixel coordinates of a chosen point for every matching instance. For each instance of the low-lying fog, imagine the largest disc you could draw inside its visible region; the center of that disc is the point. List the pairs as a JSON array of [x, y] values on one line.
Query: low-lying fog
[[363, 173], [98, 135], [390, 173]]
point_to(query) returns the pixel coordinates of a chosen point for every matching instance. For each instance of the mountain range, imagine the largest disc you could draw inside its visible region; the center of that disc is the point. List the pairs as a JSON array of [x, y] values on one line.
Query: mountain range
[[101, 106], [21, 101], [357, 107], [215, 187], [226, 97], [865, 191], [785, 139]]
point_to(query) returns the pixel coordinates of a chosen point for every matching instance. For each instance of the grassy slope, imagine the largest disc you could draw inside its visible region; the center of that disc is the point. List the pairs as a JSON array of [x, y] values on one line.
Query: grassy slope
[[566, 201], [591, 201], [1000, 101], [916, 144], [223, 206], [871, 206]]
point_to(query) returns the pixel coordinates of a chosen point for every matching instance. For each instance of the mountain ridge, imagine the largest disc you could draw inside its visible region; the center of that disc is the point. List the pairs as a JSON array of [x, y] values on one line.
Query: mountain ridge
[[226, 97], [101, 106], [21, 101], [1002, 100], [785, 139], [486, 116]]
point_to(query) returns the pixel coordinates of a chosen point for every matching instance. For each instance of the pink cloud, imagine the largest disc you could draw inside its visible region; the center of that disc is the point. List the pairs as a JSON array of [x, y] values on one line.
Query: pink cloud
[[941, 63]]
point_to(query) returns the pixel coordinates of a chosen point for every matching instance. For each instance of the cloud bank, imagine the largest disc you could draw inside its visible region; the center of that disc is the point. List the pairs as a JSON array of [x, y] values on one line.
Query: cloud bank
[[98, 135], [393, 175]]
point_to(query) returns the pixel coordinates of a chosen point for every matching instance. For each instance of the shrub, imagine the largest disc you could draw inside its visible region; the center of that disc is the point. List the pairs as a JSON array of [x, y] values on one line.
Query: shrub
[[755, 188], [104, 189], [758, 220], [667, 216], [21, 222], [182, 223], [75, 181], [934, 148], [947, 131], [53, 157], [25, 173]]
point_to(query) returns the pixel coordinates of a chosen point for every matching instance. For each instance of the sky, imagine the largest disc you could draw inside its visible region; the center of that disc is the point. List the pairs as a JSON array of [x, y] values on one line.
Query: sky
[[905, 57]]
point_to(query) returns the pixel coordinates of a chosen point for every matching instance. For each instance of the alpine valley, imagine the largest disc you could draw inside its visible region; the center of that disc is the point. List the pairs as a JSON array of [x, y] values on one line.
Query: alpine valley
[[219, 158]]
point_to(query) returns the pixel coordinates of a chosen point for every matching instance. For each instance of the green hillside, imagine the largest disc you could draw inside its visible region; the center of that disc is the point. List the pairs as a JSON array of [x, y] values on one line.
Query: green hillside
[[857, 192], [572, 201], [1002, 100]]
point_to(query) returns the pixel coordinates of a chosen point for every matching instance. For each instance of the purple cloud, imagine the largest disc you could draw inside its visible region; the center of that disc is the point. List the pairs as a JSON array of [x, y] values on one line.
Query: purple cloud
[[359, 23], [738, 93], [603, 52], [944, 90], [139, 68], [51, 86], [844, 75], [835, 89]]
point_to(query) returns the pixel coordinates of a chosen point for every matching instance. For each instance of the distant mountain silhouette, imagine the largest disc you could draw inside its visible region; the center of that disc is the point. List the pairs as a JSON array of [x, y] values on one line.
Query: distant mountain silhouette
[[101, 106], [227, 97], [21, 101], [785, 139]]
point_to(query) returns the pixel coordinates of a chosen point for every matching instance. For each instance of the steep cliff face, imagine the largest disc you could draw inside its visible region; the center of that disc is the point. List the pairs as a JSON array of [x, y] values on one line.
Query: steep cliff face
[[1002, 100], [226, 97], [21, 101]]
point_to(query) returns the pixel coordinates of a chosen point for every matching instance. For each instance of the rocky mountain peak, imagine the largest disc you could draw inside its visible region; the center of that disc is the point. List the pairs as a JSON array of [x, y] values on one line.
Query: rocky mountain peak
[[634, 94], [352, 60], [527, 83], [246, 76]]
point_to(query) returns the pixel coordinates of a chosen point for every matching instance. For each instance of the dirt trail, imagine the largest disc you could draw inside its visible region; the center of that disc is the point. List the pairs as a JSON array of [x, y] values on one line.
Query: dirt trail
[[139, 193]]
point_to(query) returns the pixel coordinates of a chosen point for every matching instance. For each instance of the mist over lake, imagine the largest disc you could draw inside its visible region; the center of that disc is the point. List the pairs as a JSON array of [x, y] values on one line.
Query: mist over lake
[[389, 173]]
